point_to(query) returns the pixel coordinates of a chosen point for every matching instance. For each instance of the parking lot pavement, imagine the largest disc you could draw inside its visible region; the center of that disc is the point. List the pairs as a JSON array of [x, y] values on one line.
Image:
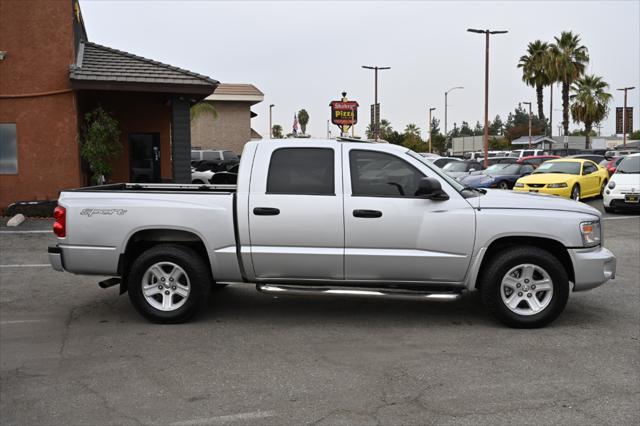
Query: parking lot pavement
[[71, 353]]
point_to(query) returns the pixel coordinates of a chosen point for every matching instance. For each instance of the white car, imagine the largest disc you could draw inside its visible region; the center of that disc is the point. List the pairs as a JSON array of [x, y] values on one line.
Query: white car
[[623, 190], [519, 153]]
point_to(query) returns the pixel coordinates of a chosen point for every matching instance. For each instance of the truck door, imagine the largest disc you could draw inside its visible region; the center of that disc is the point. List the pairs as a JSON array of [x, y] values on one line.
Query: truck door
[[393, 236], [295, 212]]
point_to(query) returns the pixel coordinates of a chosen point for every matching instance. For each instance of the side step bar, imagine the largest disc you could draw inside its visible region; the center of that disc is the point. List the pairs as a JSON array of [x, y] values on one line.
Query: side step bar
[[276, 289], [109, 282]]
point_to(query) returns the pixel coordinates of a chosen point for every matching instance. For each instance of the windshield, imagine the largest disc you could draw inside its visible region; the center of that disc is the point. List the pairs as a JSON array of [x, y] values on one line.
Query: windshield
[[454, 183], [567, 167], [456, 166], [630, 165], [503, 169]]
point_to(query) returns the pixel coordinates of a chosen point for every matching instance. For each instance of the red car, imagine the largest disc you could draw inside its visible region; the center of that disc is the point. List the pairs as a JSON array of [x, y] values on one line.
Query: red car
[[612, 165], [536, 160]]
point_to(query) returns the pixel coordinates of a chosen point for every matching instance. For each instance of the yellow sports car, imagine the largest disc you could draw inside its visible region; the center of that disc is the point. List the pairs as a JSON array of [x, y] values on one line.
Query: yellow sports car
[[566, 177]]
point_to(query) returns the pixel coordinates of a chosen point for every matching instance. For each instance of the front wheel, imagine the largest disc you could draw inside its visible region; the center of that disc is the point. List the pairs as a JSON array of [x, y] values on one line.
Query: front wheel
[[525, 287], [503, 185], [575, 192], [168, 283]]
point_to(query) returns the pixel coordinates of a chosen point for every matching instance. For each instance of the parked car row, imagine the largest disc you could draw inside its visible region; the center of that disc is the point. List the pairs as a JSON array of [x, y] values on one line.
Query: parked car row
[[214, 167]]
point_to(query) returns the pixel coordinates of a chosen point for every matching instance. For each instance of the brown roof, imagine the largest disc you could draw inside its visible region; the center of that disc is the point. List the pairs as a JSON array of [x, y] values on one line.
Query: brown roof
[[237, 89], [101, 65]]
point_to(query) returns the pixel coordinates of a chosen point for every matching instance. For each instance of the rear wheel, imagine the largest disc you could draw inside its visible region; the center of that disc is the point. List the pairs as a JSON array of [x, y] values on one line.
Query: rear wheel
[[603, 187], [575, 192], [503, 185], [168, 283], [525, 287]]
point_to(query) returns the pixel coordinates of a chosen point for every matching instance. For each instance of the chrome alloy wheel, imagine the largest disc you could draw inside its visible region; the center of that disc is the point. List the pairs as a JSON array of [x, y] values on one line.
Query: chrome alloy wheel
[[526, 289], [575, 193], [165, 286]]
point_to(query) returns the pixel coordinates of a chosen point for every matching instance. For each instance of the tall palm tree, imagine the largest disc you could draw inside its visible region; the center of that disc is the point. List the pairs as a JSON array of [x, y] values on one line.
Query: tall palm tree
[[567, 62], [412, 130], [590, 102], [534, 70]]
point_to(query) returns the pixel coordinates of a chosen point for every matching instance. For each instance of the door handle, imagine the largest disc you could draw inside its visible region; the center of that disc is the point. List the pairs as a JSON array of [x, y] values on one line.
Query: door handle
[[367, 213], [266, 211]]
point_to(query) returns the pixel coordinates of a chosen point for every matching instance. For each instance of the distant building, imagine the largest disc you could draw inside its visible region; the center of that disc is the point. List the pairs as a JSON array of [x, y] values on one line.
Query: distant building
[[230, 127]]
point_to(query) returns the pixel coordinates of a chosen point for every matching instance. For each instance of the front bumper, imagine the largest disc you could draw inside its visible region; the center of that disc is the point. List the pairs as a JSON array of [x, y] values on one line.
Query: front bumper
[[592, 267], [55, 258], [560, 192]]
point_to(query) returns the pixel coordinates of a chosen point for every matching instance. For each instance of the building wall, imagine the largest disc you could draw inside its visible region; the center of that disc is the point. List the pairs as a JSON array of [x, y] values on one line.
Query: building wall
[[38, 39], [136, 112], [231, 129]]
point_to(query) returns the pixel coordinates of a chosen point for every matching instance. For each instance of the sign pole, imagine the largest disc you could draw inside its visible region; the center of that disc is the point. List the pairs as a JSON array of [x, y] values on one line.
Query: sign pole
[[625, 116]]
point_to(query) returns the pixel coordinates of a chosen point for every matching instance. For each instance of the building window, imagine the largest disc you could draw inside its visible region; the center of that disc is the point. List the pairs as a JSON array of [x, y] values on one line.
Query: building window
[[306, 171], [8, 149]]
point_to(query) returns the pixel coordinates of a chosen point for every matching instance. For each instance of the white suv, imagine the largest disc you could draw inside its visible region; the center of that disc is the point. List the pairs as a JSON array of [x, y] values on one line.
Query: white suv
[[623, 190]]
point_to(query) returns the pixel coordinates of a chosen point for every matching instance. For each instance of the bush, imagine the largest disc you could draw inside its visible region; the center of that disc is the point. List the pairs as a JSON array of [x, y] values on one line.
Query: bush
[[100, 142]]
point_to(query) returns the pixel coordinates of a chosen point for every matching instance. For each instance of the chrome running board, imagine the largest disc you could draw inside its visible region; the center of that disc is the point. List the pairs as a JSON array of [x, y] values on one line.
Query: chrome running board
[[396, 293]]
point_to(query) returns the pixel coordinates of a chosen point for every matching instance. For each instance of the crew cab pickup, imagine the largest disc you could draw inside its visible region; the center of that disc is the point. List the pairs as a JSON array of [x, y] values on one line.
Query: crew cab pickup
[[333, 217]]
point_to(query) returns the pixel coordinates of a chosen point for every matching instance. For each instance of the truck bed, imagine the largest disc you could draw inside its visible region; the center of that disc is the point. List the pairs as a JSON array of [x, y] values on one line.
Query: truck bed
[[156, 187]]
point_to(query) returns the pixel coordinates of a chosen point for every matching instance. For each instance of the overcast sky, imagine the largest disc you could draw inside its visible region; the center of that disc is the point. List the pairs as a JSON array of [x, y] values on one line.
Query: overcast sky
[[303, 54]]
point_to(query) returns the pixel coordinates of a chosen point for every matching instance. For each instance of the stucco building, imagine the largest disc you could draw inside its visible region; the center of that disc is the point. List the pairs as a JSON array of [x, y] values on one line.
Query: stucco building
[[51, 75], [230, 126]]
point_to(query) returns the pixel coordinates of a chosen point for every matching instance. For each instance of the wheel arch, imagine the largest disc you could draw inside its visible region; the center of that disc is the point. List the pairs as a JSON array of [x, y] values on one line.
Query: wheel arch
[[143, 239], [549, 244]]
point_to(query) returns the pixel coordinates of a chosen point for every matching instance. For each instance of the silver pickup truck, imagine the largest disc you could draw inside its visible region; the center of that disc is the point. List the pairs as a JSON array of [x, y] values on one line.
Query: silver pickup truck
[[333, 217]]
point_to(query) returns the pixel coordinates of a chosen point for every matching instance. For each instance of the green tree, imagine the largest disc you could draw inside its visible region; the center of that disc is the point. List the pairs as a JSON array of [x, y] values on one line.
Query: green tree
[[478, 130], [535, 72], [412, 130], [518, 124], [567, 62], [634, 136], [455, 132], [465, 130], [496, 127], [277, 131], [438, 141], [202, 108], [303, 119], [499, 143], [100, 142], [385, 130], [590, 103]]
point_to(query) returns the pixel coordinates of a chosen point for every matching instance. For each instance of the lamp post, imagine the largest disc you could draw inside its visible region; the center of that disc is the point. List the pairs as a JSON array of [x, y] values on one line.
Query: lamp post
[[529, 103], [445, 108], [271, 121], [485, 138], [625, 116], [430, 128], [376, 130]]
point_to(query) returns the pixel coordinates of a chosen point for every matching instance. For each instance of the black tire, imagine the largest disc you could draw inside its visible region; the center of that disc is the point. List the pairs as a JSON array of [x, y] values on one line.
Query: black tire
[[503, 184], [575, 192], [609, 209], [603, 186], [198, 182], [196, 270], [497, 268]]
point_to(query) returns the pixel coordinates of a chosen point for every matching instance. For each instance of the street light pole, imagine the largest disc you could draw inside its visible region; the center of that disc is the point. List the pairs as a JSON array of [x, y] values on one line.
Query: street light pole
[[271, 121], [625, 117], [430, 128], [376, 130], [445, 108], [487, 33], [529, 103]]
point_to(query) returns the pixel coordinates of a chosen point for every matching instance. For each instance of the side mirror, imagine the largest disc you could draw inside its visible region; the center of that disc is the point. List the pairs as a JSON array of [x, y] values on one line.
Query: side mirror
[[431, 189]]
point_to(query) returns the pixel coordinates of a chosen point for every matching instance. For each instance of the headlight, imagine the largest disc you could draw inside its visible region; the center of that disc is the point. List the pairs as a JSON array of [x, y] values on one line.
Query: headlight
[[519, 185], [611, 185], [590, 233], [557, 185]]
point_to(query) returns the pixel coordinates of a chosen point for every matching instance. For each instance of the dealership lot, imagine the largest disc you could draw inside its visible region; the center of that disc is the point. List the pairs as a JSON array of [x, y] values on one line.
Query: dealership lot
[[71, 353]]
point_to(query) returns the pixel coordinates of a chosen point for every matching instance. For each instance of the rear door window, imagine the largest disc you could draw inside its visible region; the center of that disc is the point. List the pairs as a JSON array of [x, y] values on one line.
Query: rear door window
[[304, 171]]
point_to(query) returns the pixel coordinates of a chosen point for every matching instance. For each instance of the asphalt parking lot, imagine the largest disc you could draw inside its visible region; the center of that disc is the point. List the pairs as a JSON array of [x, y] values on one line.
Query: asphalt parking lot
[[72, 353]]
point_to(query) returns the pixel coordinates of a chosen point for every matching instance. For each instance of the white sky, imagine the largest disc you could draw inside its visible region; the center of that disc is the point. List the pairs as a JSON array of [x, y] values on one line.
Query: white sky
[[302, 54]]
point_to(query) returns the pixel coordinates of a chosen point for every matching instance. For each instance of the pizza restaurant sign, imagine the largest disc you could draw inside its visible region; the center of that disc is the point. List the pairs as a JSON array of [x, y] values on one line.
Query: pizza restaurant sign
[[344, 113]]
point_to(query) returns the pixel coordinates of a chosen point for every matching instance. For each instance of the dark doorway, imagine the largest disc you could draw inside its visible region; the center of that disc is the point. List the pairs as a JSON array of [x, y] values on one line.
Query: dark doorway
[[144, 154]]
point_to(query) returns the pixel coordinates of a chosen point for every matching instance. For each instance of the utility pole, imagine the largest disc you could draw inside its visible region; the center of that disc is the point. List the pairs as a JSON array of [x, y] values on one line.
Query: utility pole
[[445, 108], [551, 111], [271, 121], [625, 116], [529, 103], [376, 131], [430, 128], [487, 33]]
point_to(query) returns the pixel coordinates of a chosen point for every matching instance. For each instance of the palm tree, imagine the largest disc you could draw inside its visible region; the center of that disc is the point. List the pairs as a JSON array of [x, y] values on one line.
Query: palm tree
[[567, 62], [534, 70], [590, 102], [385, 129], [412, 130], [277, 131], [303, 119]]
